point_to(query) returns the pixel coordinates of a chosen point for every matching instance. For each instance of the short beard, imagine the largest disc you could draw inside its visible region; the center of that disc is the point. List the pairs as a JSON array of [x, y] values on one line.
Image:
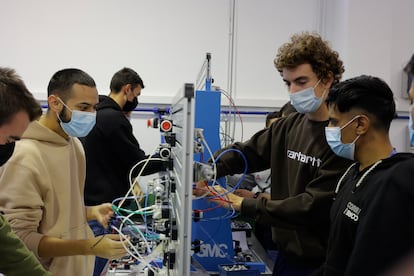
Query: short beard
[[63, 115]]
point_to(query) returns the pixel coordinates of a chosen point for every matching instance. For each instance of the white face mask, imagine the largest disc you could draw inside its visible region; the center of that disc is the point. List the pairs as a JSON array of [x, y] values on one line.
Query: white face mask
[[305, 100], [80, 124]]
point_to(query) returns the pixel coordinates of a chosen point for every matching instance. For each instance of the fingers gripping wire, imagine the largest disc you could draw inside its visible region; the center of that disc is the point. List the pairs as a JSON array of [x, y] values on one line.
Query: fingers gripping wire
[[207, 170], [135, 232]]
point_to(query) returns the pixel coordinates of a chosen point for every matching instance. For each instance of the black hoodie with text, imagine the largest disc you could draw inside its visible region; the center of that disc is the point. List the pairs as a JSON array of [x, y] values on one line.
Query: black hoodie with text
[[373, 219]]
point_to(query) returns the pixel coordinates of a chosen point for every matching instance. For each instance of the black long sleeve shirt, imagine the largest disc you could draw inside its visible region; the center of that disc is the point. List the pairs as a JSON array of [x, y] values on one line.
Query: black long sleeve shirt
[[111, 150]]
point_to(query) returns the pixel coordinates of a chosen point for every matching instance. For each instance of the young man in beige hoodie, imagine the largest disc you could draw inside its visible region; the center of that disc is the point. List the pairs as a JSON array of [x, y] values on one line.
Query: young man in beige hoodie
[[41, 187]]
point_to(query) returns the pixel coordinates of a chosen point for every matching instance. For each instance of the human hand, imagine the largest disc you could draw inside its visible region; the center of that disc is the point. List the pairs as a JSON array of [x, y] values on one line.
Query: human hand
[[244, 193], [201, 189], [102, 213], [137, 190], [224, 198], [108, 246]]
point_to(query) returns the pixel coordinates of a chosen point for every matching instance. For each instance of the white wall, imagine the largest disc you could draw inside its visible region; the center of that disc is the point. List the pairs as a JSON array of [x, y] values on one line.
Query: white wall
[[261, 27], [374, 37], [166, 42]]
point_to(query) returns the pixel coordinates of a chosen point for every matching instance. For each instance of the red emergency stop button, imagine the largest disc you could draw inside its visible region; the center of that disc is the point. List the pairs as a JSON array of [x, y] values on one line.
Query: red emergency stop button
[[166, 126]]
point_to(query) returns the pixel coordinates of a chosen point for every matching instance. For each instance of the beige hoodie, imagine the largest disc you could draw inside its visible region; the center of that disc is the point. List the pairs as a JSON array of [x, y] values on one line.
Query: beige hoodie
[[41, 193]]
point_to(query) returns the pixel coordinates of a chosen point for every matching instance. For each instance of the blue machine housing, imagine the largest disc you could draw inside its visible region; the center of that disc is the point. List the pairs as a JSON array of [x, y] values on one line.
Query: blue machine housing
[[213, 229]]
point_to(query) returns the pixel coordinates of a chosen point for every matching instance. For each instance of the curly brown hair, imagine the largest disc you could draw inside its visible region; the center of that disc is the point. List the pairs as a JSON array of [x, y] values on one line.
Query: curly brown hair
[[310, 48]]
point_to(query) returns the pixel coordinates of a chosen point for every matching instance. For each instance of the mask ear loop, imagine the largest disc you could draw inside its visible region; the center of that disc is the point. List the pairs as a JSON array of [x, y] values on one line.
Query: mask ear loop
[[60, 100], [353, 142], [64, 104], [350, 121], [347, 124], [316, 85], [323, 94]]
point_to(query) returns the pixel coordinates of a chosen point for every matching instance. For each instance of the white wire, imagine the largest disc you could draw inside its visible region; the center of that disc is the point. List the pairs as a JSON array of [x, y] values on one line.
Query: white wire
[[139, 258], [139, 231], [123, 237], [203, 139], [214, 180], [143, 209], [222, 195], [140, 209], [203, 195], [233, 105], [132, 183]]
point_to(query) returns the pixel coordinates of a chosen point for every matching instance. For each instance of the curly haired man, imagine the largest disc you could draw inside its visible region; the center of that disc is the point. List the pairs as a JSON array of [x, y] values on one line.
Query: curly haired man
[[304, 169]]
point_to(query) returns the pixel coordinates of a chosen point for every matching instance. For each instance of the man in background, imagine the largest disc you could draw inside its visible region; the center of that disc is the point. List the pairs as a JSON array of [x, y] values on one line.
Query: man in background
[[17, 109], [112, 150]]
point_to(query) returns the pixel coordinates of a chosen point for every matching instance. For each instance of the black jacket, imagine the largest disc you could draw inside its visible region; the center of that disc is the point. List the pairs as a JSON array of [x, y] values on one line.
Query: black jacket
[[111, 151], [373, 224]]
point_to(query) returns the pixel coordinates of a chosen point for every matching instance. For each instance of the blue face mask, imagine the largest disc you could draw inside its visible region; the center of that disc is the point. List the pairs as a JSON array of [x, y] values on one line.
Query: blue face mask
[[80, 124], [305, 101], [411, 130], [333, 137]]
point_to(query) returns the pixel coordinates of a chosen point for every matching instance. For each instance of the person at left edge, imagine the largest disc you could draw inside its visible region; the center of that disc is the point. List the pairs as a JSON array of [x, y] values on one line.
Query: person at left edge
[[41, 187], [17, 109], [111, 148]]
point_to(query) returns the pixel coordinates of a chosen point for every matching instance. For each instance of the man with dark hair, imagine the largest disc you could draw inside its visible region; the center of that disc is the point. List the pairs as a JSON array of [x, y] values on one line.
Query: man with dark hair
[[304, 170], [17, 109], [285, 110], [372, 215], [41, 187], [111, 148]]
